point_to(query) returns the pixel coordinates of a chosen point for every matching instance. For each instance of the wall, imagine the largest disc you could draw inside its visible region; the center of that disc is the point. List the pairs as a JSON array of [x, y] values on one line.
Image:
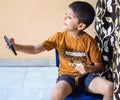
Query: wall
[[32, 21]]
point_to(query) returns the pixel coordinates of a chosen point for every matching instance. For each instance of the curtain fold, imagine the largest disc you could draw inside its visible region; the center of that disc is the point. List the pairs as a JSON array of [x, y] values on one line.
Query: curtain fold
[[107, 25]]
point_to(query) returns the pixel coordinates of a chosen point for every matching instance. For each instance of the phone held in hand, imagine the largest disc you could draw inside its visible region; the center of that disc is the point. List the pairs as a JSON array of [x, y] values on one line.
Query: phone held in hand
[[10, 45]]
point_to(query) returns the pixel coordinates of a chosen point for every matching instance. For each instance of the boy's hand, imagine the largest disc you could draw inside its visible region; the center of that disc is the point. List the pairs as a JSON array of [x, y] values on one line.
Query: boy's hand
[[9, 44], [82, 68], [12, 42]]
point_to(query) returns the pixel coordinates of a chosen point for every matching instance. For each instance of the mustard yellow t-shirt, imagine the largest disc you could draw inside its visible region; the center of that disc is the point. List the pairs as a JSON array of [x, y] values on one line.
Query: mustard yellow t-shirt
[[73, 51]]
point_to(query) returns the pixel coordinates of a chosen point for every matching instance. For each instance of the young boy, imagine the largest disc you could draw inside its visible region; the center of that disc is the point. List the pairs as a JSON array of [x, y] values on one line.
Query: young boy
[[78, 53]]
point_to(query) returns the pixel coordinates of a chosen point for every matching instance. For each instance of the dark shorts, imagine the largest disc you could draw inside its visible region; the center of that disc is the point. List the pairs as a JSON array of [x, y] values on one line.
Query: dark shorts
[[83, 81]]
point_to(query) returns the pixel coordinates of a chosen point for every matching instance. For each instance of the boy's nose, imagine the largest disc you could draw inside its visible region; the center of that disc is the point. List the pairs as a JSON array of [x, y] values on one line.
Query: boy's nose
[[65, 17]]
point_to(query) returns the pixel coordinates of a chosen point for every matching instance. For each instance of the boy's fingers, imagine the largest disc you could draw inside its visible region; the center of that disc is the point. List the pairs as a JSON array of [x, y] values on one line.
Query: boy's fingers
[[78, 68], [5, 44]]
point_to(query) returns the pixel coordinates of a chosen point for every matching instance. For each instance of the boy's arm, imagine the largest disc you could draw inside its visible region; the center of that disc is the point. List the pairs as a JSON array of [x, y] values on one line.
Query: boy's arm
[[30, 49], [95, 68]]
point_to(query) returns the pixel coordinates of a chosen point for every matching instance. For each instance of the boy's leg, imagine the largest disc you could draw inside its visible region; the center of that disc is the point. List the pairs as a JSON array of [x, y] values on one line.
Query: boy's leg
[[61, 90], [102, 86]]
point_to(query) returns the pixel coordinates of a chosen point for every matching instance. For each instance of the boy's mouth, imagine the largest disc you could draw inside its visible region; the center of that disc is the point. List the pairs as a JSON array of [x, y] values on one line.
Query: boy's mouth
[[64, 24]]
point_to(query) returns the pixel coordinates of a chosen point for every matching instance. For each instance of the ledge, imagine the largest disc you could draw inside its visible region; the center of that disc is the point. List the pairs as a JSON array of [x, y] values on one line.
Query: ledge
[[27, 62]]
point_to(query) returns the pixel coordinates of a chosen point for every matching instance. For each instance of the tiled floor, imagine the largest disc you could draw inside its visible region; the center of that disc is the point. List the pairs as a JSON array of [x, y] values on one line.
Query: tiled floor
[[27, 83]]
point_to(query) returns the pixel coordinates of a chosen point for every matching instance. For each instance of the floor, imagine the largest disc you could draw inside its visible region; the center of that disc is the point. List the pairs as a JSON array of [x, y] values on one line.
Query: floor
[[27, 83]]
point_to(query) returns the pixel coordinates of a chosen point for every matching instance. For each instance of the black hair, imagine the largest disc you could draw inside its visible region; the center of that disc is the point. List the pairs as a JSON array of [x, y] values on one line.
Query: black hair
[[84, 11]]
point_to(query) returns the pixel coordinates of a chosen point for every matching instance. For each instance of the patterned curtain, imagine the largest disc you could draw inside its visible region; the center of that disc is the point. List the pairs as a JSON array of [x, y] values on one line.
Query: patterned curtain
[[107, 25]]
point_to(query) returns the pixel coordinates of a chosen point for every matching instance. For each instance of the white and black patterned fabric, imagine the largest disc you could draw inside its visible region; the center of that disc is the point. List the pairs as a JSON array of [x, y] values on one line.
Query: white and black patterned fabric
[[107, 35]]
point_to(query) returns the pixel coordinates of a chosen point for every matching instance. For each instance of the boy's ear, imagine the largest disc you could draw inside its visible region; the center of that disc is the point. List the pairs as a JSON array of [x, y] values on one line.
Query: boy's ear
[[81, 26]]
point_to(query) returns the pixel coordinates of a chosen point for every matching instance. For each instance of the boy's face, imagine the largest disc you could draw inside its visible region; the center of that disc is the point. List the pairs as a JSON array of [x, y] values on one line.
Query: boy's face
[[70, 20]]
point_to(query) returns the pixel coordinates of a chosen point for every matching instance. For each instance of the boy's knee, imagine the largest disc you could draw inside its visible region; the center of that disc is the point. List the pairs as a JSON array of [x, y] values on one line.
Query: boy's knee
[[110, 88], [56, 95]]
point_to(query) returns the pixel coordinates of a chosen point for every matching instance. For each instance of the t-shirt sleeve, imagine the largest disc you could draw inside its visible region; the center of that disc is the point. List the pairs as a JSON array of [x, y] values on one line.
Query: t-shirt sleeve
[[95, 53], [51, 42]]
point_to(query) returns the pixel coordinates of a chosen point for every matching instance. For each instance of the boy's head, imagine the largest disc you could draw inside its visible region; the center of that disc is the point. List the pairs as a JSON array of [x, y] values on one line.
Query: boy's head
[[84, 11]]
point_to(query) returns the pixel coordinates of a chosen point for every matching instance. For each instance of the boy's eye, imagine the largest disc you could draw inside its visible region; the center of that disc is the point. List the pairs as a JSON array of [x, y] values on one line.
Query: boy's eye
[[68, 16]]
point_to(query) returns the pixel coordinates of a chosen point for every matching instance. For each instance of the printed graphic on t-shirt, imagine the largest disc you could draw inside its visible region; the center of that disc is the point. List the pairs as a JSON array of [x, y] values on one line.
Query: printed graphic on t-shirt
[[75, 57]]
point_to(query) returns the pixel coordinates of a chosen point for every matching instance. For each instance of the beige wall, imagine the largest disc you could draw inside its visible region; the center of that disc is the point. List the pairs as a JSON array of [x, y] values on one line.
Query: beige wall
[[32, 21]]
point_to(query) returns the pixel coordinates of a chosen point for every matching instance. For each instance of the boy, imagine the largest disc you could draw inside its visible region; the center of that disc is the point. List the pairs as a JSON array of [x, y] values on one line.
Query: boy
[[78, 53]]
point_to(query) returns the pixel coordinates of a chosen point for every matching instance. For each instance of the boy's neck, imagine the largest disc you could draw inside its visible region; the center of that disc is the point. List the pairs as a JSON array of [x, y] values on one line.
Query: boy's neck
[[76, 34]]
